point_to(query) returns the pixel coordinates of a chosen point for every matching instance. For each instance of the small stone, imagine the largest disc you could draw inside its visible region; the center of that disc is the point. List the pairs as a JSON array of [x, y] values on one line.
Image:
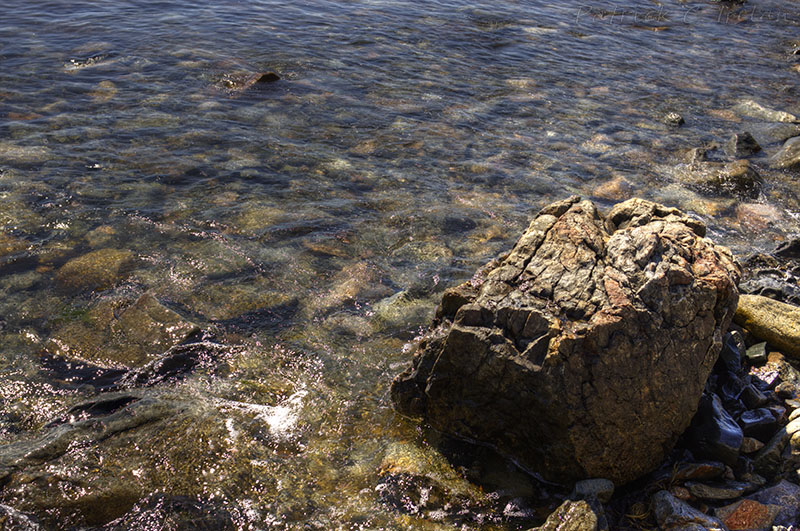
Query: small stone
[[757, 354], [785, 390], [747, 514], [673, 514], [682, 493], [742, 145], [772, 321], [752, 109], [715, 492], [788, 155], [751, 445], [97, 270], [602, 489], [574, 516], [752, 398], [758, 423], [673, 118]]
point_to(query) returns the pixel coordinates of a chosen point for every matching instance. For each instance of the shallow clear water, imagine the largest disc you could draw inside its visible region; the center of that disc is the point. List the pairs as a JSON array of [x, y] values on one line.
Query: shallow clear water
[[313, 222]]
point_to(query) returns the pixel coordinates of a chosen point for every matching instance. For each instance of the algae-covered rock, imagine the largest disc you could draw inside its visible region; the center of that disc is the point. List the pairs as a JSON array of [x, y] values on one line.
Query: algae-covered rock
[[112, 334], [584, 351], [776, 322], [97, 270], [574, 516]]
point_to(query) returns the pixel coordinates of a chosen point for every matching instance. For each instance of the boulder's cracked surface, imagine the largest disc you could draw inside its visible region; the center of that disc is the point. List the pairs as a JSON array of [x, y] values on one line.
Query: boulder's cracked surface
[[583, 351]]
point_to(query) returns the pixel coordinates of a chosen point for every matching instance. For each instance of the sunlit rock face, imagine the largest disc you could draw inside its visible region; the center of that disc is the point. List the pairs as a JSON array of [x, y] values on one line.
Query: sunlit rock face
[[583, 351]]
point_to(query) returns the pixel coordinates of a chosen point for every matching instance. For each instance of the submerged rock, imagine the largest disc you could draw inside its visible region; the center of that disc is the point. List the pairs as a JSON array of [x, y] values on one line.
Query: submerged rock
[[97, 270], [111, 334], [726, 178], [583, 352], [775, 322]]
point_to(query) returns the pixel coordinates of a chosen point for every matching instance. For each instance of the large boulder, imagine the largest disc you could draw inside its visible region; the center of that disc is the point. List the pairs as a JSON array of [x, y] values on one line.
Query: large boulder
[[583, 352]]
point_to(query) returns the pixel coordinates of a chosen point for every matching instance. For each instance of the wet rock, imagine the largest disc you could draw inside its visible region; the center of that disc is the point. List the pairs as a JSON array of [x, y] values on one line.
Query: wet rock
[[768, 461], [752, 109], [11, 519], [176, 362], [419, 481], [163, 511], [10, 245], [785, 390], [752, 398], [601, 489], [784, 495], [715, 492], [698, 471], [751, 445], [757, 354], [564, 352], [788, 155], [673, 118], [758, 423], [241, 81], [714, 434], [742, 145], [111, 334], [14, 153], [775, 275], [775, 322], [722, 178], [733, 350], [747, 514], [574, 516], [775, 132], [97, 270], [673, 514]]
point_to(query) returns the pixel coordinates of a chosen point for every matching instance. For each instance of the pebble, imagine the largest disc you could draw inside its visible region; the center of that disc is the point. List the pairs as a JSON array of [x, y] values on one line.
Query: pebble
[[757, 354], [751, 445]]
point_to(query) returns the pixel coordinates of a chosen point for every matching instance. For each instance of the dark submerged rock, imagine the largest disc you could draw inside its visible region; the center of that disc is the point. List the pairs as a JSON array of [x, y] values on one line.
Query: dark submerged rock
[[584, 350]]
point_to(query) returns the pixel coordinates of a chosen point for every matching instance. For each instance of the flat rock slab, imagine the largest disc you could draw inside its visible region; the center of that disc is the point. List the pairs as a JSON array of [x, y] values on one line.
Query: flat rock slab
[[776, 322], [583, 351]]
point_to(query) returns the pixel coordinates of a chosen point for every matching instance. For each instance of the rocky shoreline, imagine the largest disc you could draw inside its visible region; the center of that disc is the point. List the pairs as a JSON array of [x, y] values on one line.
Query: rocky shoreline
[[736, 464]]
